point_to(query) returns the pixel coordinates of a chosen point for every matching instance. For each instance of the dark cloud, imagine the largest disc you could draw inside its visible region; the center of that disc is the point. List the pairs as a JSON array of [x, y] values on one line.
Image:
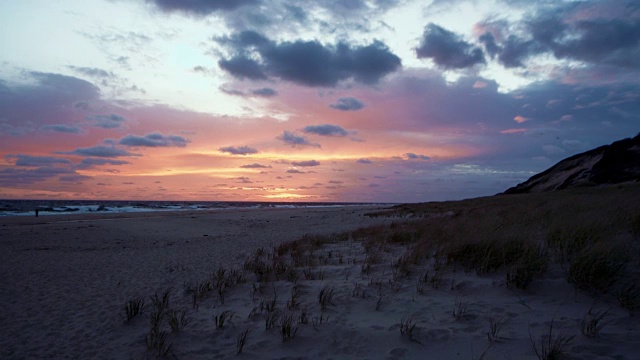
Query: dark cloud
[[100, 151], [238, 150], [154, 140], [489, 43], [364, 161], [264, 92], [305, 163], [74, 178], [296, 140], [294, 171], [577, 31], [447, 49], [413, 156], [89, 163], [325, 130], [62, 128], [37, 161], [307, 63], [200, 7], [255, 166], [613, 41], [242, 67], [112, 121], [348, 104]]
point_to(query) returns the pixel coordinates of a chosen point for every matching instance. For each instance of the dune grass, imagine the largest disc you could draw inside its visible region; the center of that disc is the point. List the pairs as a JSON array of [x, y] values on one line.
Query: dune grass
[[589, 235]]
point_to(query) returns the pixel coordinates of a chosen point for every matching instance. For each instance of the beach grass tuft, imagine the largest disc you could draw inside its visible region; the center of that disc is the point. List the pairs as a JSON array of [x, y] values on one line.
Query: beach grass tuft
[[551, 346], [133, 308], [178, 320], [592, 322], [325, 297]]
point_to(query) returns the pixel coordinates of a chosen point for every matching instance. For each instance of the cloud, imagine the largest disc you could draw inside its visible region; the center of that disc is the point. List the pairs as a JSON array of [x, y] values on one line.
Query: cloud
[[305, 163], [62, 128], [364, 161], [200, 7], [348, 104], [46, 96], [154, 140], [74, 178], [244, 180], [100, 151], [92, 72], [12, 177], [295, 140], [595, 40], [37, 161], [294, 171], [325, 130], [520, 119], [447, 49], [89, 163], [264, 92], [242, 68], [308, 63], [255, 166], [513, 51], [238, 150], [412, 156], [112, 121], [577, 31]]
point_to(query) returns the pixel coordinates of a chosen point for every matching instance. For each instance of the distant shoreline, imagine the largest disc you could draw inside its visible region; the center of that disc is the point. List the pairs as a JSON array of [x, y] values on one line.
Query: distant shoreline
[[11, 208]]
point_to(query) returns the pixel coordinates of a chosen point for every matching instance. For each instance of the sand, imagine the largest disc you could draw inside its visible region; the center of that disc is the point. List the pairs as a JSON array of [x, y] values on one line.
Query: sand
[[65, 281]]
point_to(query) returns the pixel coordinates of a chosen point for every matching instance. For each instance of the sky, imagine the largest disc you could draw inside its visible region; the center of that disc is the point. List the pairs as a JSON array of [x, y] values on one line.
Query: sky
[[292, 100]]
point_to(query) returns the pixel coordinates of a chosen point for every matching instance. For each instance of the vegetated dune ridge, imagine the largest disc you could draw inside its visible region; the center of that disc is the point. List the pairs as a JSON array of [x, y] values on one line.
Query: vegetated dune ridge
[[484, 278], [609, 164]]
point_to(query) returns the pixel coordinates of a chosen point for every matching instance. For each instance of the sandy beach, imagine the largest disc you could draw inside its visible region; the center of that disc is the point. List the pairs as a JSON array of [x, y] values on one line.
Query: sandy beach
[[65, 279], [242, 294]]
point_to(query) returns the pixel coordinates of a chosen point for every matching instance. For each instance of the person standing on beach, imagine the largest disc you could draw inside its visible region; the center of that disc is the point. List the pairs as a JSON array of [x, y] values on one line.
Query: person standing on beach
[[36, 212]]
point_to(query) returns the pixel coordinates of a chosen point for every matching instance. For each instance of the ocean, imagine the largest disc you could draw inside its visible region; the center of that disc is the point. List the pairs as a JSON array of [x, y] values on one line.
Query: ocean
[[57, 207]]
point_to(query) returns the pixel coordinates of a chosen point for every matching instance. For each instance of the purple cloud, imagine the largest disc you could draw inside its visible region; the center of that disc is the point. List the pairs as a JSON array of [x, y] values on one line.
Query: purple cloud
[[326, 130], [100, 151], [112, 121], [62, 128], [348, 104], [154, 140], [295, 140], [305, 163], [255, 166], [238, 150], [37, 161]]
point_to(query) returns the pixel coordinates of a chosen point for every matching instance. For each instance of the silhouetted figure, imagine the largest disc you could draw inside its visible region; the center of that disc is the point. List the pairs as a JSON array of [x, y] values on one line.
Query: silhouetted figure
[[37, 212]]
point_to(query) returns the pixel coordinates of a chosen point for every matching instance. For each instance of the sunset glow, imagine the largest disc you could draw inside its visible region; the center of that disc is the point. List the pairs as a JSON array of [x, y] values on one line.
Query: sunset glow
[[364, 101]]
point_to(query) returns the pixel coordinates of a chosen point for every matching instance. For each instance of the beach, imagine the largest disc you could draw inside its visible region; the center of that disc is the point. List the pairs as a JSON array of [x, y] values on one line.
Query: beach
[[66, 278], [274, 284]]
